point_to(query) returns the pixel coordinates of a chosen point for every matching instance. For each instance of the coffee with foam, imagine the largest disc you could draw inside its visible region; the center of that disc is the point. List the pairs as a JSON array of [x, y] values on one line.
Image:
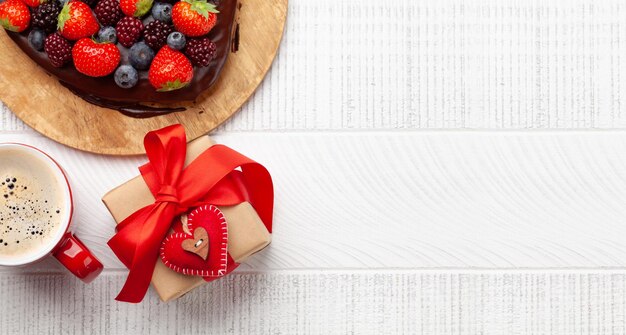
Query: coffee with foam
[[33, 204]]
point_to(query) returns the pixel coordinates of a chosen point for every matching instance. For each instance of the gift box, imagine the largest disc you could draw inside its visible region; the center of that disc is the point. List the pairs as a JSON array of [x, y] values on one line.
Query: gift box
[[247, 233]]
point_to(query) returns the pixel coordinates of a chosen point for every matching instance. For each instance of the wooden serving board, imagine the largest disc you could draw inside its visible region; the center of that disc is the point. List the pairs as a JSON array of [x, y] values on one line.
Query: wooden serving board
[[44, 104]]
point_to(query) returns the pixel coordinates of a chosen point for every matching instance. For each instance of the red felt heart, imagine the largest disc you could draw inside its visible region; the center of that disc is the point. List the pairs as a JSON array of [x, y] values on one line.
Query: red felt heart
[[183, 252]]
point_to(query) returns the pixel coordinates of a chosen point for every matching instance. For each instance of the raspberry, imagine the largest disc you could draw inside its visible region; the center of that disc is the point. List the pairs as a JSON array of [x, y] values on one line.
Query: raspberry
[[45, 16], [155, 34], [108, 12], [200, 51], [129, 31], [59, 49]]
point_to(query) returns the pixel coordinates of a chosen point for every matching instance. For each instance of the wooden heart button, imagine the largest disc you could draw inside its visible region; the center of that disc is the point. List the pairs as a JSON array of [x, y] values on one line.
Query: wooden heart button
[[199, 244]]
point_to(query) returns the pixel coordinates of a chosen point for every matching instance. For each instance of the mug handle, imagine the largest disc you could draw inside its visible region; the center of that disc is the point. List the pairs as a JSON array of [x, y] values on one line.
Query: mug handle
[[73, 254]]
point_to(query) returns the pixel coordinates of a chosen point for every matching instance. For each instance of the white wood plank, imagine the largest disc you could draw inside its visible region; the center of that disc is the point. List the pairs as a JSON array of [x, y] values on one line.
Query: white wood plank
[[10, 122], [361, 302], [445, 64], [453, 199], [434, 64]]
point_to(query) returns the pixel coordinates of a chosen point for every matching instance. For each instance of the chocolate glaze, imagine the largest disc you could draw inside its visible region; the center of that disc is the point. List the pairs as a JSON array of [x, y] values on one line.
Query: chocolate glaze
[[127, 108], [136, 101]]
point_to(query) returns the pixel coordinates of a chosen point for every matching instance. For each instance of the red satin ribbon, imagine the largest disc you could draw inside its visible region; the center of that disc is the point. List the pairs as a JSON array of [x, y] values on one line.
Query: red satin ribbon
[[211, 178]]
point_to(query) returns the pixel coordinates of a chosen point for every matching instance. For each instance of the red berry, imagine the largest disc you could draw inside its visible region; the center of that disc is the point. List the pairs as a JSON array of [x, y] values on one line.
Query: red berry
[[95, 59], [108, 12], [194, 17], [77, 21], [58, 49], [129, 30], [14, 15], [170, 70], [136, 8], [33, 3]]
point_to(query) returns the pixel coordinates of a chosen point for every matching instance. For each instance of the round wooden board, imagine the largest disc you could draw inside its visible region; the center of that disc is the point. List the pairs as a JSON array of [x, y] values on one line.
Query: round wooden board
[[44, 104]]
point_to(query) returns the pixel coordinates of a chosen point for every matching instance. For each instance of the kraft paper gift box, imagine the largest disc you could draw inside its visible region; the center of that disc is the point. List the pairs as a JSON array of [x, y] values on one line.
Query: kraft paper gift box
[[246, 232]]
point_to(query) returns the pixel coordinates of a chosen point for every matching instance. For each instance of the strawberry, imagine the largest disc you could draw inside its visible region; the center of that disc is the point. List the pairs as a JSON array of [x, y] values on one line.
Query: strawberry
[[194, 17], [14, 15], [33, 3], [136, 8], [76, 21], [170, 70], [95, 59]]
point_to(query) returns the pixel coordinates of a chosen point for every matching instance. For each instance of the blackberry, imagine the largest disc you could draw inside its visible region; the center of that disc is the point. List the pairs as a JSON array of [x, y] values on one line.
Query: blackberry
[[45, 16], [59, 50], [108, 12], [200, 51], [129, 31], [155, 34]]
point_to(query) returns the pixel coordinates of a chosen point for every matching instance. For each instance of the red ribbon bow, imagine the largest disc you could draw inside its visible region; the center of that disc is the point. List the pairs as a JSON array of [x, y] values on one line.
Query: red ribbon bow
[[211, 178]]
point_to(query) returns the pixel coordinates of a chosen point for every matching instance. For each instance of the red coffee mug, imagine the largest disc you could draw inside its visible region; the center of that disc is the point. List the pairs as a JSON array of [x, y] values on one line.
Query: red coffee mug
[[64, 246]]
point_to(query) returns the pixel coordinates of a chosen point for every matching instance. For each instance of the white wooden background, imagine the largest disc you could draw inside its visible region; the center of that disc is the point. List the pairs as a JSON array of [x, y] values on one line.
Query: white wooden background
[[441, 166]]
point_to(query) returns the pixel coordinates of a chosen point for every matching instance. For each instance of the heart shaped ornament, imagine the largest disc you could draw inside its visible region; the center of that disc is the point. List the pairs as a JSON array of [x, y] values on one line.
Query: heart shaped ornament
[[202, 248]]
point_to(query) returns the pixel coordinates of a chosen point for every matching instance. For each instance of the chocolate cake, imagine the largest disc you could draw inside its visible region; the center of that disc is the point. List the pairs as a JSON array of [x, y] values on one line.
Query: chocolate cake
[[142, 100]]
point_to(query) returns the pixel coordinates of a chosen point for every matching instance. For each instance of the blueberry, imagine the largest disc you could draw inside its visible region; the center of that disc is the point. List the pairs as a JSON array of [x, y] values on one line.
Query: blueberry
[[36, 39], [176, 40], [141, 56], [162, 12], [126, 76], [107, 34]]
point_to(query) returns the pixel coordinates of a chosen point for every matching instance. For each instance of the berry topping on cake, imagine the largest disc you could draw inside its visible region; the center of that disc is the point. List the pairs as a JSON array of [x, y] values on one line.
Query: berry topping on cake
[[155, 34], [95, 59], [14, 15], [194, 17], [108, 38], [129, 31], [58, 49], [176, 40], [136, 8], [162, 12], [141, 56], [45, 16], [108, 12], [126, 76], [170, 70], [36, 38], [200, 51], [77, 21], [107, 35], [34, 3]]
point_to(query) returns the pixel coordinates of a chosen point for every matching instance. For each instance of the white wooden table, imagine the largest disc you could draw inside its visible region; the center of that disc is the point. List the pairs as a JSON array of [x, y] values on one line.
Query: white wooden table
[[440, 167]]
